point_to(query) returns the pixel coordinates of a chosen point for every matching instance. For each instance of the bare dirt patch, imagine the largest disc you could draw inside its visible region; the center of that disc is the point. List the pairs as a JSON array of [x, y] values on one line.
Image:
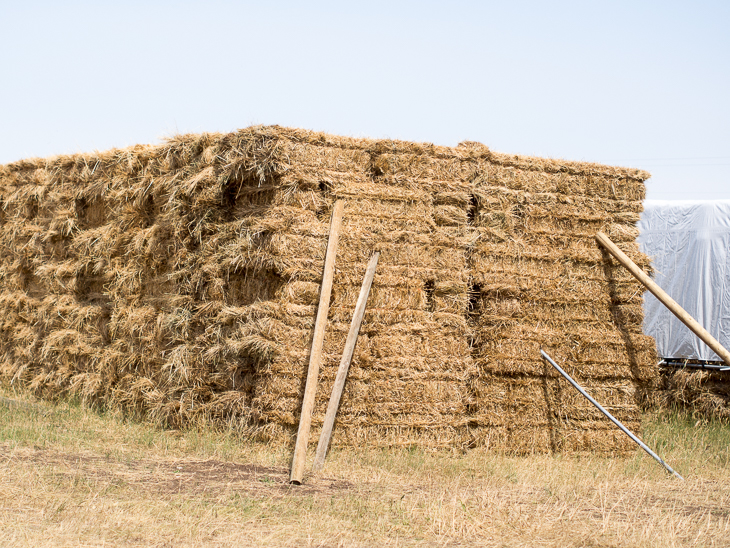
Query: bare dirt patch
[[176, 476]]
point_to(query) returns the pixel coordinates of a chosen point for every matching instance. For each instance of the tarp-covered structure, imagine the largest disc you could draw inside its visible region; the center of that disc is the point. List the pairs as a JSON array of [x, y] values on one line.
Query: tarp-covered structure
[[689, 243]]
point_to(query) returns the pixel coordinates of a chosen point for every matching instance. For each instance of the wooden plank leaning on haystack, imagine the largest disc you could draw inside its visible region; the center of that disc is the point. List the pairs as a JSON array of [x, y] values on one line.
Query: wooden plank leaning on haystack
[[315, 356], [665, 299], [334, 403]]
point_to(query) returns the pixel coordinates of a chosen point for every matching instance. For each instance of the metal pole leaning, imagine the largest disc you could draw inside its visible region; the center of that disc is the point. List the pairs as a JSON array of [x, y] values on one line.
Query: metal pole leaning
[[315, 354], [334, 404], [609, 415]]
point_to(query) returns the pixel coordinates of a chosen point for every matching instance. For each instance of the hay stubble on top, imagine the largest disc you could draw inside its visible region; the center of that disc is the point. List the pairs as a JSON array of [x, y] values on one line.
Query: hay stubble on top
[[180, 282]]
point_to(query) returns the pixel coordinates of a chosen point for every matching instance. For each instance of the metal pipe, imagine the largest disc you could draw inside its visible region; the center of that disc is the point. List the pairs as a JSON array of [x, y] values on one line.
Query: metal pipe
[[706, 366], [609, 415]]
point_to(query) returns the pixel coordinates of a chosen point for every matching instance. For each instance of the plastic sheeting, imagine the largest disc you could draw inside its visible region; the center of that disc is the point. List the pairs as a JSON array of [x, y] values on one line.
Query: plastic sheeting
[[689, 243]]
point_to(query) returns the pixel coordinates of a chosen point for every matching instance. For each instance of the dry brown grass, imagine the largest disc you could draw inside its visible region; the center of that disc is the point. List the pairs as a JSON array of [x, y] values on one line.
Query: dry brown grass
[[71, 476]]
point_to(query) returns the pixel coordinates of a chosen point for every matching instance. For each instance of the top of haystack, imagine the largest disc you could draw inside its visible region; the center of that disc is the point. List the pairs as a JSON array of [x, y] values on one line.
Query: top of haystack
[[465, 150]]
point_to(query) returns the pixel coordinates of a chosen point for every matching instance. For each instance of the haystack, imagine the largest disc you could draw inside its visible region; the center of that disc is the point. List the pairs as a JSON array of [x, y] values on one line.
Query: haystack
[[179, 282]]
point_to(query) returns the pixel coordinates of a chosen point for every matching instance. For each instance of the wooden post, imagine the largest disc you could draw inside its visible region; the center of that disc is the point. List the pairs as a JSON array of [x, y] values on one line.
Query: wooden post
[[665, 299], [334, 404], [315, 355]]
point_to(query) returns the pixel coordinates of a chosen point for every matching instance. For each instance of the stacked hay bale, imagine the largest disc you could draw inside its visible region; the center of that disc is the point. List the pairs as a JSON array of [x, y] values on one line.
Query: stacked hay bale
[[544, 283], [181, 281], [703, 394]]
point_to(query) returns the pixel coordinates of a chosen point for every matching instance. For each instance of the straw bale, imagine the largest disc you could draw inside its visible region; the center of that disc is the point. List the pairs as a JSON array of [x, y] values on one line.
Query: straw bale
[[335, 158], [180, 282], [348, 189], [548, 268], [576, 251], [540, 439], [420, 166], [577, 182], [550, 401], [578, 338], [705, 394], [584, 312]]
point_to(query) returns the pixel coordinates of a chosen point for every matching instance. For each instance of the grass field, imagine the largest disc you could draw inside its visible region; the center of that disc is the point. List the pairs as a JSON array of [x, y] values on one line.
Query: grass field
[[72, 476]]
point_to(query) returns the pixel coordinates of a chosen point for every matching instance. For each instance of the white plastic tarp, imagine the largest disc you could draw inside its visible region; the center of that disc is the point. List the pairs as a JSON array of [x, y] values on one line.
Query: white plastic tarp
[[689, 243]]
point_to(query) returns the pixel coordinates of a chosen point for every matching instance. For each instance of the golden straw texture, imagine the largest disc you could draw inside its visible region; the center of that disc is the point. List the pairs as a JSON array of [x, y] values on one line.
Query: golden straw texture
[[180, 282]]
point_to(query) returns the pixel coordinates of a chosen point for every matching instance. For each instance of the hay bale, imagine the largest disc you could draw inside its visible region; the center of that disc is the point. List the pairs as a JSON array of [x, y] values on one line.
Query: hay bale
[[180, 282], [703, 393]]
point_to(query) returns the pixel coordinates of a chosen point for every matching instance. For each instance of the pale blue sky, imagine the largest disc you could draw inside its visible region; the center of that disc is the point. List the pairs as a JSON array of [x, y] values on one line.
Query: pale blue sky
[[641, 84]]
